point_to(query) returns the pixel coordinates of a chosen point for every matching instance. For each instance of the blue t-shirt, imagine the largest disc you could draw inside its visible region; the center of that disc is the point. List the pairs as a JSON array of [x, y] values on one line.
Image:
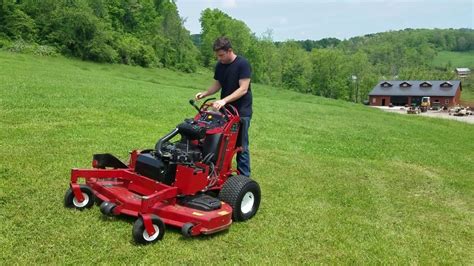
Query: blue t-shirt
[[228, 76]]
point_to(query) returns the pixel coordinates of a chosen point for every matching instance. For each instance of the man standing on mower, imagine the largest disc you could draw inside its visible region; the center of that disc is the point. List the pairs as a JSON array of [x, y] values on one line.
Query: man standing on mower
[[232, 77]]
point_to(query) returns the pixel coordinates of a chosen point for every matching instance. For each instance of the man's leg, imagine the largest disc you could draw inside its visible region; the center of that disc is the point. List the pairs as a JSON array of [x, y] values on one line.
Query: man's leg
[[243, 158]]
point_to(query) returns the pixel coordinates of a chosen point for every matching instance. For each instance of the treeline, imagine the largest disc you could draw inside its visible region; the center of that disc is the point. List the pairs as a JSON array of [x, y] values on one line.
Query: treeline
[[333, 68], [150, 33]]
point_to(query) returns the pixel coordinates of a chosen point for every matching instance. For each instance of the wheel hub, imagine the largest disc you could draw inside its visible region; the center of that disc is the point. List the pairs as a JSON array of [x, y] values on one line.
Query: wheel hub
[[149, 238], [247, 202], [83, 203]]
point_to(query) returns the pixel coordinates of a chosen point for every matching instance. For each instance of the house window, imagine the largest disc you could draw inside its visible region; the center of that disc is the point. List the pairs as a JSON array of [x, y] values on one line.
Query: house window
[[446, 101], [405, 84], [386, 84], [446, 84], [426, 84], [373, 100]]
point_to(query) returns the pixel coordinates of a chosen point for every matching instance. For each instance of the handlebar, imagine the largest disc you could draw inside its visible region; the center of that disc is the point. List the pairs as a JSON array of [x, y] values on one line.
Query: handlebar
[[225, 110]]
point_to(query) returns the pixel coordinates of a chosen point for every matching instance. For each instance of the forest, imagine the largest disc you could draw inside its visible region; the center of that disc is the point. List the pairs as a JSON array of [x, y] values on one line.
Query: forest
[[151, 33]]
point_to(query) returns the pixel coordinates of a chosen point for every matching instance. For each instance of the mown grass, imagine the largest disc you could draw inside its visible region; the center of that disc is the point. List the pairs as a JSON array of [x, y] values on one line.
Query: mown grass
[[341, 183], [457, 59]]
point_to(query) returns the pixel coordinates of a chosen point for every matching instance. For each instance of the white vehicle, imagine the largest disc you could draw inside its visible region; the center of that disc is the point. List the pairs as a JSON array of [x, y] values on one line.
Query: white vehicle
[[469, 111], [459, 111]]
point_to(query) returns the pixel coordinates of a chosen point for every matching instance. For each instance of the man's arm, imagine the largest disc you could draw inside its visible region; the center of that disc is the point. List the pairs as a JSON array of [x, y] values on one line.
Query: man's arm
[[215, 87], [237, 94]]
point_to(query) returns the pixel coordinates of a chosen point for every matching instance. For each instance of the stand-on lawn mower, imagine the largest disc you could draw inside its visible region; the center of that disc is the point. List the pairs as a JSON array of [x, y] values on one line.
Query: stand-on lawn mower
[[189, 183]]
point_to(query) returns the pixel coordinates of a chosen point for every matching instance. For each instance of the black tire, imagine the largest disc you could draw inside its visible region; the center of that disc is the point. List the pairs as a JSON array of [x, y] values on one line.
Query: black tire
[[186, 229], [243, 195], [98, 201], [107, 208], [140, 235], [70, 200]]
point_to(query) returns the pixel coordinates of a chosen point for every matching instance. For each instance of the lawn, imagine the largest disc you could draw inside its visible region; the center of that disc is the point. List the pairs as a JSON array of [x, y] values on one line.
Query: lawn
[[457, 59], [341, 183]]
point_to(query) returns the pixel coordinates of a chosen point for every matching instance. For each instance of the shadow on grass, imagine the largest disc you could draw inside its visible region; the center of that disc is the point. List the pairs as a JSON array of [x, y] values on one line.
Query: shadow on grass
[[168, 228], [202, 237]]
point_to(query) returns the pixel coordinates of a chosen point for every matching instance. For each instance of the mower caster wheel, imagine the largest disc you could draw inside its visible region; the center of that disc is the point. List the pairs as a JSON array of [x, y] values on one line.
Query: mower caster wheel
[[141, 236], [186, 230], [243, 195], [107, 208], [70, 200]]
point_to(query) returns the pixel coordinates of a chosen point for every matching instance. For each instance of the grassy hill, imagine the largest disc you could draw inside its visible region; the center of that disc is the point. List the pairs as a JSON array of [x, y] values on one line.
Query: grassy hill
[[457, 59], [341, 183]]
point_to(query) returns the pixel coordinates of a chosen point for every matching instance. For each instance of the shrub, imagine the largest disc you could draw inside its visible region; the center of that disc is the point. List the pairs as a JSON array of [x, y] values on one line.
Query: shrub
[[4, 43], [133, 52]]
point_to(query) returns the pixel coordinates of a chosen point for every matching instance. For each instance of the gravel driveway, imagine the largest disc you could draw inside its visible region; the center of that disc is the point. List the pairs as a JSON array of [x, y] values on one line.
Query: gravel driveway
[[430, 113]]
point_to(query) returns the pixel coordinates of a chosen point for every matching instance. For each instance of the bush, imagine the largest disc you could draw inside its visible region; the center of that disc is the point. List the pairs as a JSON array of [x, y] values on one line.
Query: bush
[[16, 24], [133, 52], [148, 57], [20, 46], [45, 50], [4, 43], [79, 33], [100, 51]]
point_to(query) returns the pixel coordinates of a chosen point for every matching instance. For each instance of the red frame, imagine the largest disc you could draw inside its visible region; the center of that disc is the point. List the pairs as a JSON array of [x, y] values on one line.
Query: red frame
[[140, 196]]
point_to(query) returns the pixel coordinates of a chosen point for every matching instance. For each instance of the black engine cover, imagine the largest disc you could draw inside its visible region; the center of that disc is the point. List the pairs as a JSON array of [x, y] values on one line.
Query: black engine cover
[[154, 168], [191, 131], [202, 202]]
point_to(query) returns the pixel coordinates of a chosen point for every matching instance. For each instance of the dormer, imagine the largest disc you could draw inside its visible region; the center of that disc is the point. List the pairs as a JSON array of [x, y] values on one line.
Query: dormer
[[386, 84], [405, 84], [446, 84], [426, 84]]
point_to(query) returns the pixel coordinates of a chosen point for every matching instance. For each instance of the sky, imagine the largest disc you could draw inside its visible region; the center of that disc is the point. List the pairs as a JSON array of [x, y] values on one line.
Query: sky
[[317, 19]]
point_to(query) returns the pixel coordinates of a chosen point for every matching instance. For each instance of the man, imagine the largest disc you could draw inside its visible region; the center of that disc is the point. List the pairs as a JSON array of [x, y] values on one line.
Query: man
[[232, 77]]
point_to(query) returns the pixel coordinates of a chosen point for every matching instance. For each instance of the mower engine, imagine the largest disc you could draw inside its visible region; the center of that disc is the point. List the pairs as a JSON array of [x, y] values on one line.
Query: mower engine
[[161, 164], [181, 153]]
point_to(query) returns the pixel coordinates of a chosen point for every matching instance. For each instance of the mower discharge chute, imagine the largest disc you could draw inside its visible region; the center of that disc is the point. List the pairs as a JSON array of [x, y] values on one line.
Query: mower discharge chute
[[189, 183]]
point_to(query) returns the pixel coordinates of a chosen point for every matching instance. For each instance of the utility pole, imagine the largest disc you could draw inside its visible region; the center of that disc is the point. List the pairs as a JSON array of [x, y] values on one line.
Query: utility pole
[[354, 81]]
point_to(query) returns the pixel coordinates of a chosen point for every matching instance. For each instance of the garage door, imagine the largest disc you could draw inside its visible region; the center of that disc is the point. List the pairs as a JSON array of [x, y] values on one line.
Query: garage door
[[416, 101], [399, 100]]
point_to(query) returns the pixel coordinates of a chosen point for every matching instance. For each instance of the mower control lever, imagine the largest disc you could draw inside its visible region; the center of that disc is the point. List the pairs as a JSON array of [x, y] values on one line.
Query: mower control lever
[[207, 100], [193, 103], [222, 110]]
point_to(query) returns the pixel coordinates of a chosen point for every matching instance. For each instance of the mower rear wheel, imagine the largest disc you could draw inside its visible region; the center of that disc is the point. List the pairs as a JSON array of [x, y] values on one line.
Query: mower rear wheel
[[186, 229], [107, 208], [243, 195], [141, 236], [70, 201]]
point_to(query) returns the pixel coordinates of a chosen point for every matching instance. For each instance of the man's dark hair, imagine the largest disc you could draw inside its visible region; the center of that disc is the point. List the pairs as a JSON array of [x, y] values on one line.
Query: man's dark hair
[[222, 43]]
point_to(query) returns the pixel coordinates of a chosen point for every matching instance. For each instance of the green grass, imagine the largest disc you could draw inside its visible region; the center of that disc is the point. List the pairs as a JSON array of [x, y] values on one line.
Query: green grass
[[341, 183], [467, 95], [457, 59]]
